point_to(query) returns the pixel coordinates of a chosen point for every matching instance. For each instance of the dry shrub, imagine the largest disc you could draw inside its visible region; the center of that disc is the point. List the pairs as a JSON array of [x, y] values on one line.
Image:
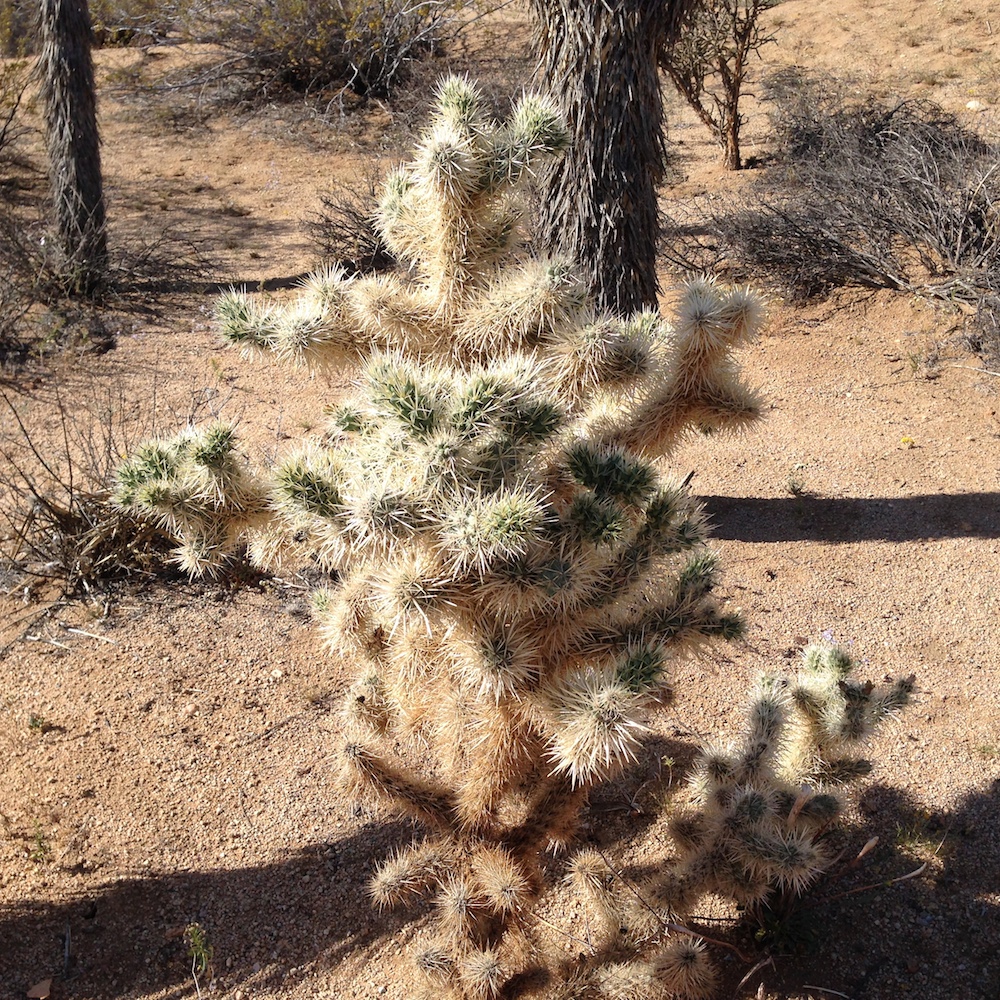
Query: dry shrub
[[14, 80], [307, 46], [39, 315], [138, 22], [344, 230], [708, 64], [872, 194], [58, 522], [20, 267], [273, 47], [13, 86], [17, 22], [116, 22]]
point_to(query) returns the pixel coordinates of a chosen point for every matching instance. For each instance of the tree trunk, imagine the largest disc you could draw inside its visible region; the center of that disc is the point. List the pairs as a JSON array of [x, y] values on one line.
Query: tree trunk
[[598, 60], [731, 157], [68, 94]]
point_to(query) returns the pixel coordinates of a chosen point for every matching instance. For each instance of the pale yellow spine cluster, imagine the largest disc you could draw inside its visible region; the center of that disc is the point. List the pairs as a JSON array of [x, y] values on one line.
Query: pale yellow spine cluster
[[198, 490]]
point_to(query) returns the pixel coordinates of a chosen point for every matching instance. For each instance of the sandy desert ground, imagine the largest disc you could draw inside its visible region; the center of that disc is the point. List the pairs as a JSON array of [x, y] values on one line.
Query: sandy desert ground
[[168, 753]]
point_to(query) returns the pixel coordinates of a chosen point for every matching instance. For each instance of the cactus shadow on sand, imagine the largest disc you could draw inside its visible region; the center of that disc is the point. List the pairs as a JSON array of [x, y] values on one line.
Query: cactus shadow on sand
[[927, 935], [129, 933], [937, 925], [866, 930]]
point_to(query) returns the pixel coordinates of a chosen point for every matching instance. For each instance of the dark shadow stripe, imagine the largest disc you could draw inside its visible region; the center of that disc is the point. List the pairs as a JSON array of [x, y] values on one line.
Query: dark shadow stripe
[[855, 519]]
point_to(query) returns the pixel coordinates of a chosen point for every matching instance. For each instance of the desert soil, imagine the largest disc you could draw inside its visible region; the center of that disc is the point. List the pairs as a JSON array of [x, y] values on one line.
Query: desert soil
[[169, 751]]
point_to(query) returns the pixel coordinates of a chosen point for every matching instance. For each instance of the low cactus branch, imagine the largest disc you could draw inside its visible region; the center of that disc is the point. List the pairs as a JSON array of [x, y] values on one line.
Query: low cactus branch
[[668, 925], [429, 804]]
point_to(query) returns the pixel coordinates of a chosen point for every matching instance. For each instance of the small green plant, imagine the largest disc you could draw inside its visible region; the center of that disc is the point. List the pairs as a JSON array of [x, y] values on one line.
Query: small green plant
[[40, 850], [201, 952], [919, 838], [796, 483], [38, 724], [668, 762]]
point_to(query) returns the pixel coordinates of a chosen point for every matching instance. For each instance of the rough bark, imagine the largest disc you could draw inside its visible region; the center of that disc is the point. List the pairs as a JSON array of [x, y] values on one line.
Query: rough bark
[[68, 94], [599, 204]]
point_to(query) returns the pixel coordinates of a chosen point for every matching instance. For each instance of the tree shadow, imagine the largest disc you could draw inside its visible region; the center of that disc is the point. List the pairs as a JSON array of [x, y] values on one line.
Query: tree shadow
[[128, 935], [854, 519]]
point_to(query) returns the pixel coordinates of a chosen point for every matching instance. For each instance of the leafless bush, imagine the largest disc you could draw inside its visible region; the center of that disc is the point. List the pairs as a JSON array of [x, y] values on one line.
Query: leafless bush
[[983, 332], [344, 230], [28, 275], [14, 78], [38, 315], [148, 262], [899, 196], [708, 64], [13, 86], [58, 523], [803, 250]]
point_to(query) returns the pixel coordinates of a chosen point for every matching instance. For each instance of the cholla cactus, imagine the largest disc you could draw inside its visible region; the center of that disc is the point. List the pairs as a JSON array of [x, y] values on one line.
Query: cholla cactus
[[679, 969], [515, 575], [514, 593], [761, 806], [196, 488]]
